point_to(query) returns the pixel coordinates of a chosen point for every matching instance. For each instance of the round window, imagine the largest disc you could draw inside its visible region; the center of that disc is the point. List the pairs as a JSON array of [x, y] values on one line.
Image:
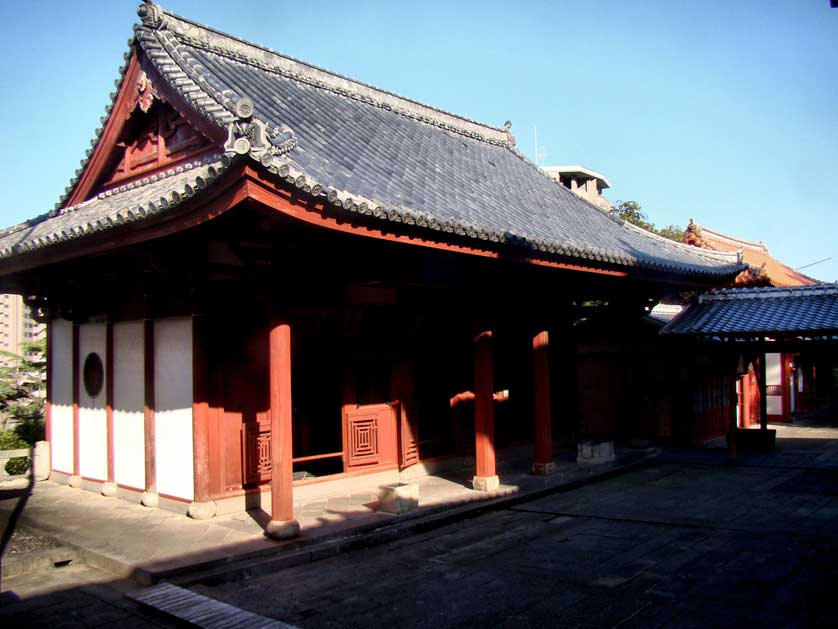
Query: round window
[[93, 374]]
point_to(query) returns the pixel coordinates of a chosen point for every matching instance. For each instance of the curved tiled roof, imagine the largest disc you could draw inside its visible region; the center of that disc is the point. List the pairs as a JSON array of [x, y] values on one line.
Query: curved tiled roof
[[756, 255], [372, 152], [126, 204], [773, 310]]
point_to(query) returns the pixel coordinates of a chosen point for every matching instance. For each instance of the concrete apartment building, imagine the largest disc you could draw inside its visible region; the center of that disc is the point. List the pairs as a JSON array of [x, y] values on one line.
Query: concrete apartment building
[[16, 325]]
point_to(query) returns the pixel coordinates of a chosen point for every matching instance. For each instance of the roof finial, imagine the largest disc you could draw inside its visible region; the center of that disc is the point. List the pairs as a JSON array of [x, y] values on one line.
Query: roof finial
[[152, 15], [507, 127]]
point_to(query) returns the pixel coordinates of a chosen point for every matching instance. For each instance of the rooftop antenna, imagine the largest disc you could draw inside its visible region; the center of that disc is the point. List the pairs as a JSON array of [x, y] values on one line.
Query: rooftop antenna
[[540, 151]]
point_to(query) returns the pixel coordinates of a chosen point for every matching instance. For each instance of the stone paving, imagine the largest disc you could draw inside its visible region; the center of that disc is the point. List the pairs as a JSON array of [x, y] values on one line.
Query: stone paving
[[128, 539], [694, 540]]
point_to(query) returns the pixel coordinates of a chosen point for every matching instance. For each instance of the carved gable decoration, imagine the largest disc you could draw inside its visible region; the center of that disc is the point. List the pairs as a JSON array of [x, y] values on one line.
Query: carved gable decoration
[[154, 137]]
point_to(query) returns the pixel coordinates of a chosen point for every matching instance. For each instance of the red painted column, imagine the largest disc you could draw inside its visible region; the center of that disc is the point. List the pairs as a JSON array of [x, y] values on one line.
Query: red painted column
[[75, 479], [543, 463], [745, 418], [785, 372], [202, 507], [48, 401], [486, 478], [109, 487], [282, 524], [150, 496]]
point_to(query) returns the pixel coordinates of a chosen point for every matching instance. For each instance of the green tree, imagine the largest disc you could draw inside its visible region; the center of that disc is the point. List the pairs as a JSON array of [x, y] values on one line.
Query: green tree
[[22, 397], [632, 212]]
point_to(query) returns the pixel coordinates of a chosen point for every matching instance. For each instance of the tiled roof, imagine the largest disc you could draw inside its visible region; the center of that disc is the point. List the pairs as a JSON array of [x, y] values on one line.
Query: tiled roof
[[131, 202], [756, 255], [747, 311], [376, 153]]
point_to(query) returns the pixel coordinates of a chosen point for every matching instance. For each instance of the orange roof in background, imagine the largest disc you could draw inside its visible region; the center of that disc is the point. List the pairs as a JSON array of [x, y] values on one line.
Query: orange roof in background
[[754, 253]]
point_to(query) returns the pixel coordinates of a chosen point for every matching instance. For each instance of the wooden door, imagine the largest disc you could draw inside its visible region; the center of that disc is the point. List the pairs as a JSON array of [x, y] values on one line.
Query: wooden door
[[369, 436]]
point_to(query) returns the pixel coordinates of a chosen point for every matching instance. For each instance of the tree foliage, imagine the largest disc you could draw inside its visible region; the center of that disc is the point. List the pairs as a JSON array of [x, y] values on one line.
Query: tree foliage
[[632, 212], [22, 396]]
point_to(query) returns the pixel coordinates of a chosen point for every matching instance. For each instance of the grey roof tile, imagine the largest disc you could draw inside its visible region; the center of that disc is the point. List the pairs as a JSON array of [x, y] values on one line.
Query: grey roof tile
[[748, 311], [387, 156]]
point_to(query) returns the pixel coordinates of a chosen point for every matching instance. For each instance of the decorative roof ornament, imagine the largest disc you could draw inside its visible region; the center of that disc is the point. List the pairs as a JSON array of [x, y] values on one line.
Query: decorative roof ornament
[[152, 15], [146, 92], [694, 237], [249, 135], [507, 128]]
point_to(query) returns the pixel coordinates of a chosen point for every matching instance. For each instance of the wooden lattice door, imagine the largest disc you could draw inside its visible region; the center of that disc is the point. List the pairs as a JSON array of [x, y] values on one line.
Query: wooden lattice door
[[369, 436]]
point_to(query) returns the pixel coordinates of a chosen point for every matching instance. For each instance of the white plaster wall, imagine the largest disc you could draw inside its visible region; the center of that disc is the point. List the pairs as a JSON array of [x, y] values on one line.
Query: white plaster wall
[[61, 400], [772, 369], [128, 407], [93, 433], [775, 404], [173, 406]]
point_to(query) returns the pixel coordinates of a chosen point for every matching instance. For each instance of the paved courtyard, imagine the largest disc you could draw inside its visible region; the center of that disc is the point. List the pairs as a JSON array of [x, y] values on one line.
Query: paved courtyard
[[691, 541]]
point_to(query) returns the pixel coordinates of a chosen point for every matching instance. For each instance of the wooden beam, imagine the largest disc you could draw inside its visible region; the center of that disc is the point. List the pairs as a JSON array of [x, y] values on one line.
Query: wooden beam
[[150, 496], [109, 487], [75, 480]]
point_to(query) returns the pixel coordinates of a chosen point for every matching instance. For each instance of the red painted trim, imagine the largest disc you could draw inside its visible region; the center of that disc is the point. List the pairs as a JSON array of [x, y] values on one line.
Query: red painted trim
[[175, 498], [148, 407], [224, 195], [122, 108], [266, 192], [109, 398], [484, 408], [124, 105], [200, 411], [543, 416], [76, 399], [48, 401], [282, 504], [139, 490]]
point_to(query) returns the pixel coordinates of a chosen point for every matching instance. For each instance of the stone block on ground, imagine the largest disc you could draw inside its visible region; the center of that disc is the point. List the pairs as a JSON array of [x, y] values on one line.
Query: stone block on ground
[[595, 452], [398, 498]]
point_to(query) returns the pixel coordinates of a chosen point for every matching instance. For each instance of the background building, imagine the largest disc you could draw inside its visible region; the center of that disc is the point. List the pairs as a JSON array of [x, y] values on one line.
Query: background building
[[16, 326]]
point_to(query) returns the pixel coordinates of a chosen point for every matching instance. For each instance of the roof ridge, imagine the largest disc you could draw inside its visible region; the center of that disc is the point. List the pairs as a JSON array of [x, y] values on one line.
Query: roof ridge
[[712, 254], [741, 241], [199, 35], [725, 294]]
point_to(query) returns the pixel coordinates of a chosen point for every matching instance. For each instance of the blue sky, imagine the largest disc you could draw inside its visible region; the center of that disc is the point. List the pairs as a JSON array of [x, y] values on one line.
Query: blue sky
[[722, 111]]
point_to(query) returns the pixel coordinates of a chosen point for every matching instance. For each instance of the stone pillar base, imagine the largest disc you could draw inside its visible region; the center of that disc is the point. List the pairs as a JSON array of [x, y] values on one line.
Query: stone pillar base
[[74, 481], [544, 469], [109, 489], [486, 483], [282, 529], [150, 499], [202, 510]]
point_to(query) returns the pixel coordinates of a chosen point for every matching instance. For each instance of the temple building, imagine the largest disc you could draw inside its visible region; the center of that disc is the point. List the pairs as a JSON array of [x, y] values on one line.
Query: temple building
[[790, 377], [265, 272]]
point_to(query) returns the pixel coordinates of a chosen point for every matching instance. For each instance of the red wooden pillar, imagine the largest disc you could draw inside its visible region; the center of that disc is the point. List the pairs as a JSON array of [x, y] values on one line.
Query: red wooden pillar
[[282, 524], [202, 507], [486, 478], [543, 463], [785, 375], [75, 479], [48, 401], [150, 496], [109, 487], [745, 413]]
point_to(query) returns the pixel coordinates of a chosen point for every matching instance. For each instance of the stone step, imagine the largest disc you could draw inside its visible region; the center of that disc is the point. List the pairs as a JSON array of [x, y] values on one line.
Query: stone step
[[199, 610]]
